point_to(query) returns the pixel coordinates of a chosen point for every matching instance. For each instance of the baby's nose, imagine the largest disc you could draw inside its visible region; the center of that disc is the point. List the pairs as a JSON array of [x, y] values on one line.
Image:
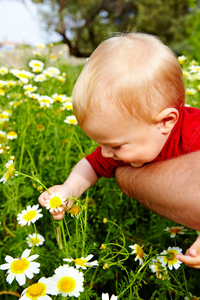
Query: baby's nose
[[107, 151]]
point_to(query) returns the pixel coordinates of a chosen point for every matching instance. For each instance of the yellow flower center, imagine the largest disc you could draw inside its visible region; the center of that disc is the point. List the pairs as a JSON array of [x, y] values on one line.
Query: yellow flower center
[[10, 172], [21, 75], [2, 139], [57, 99], [45, 100], [40, 127], [36, 290], [139, 251], [34, 241], [68, 106], [55, 202], [30, 215], [37, 70], [75, 211], [66, 284], [3, 116], [12, 134], [171, 255], [37, 64], [19, 266], [72, 121], [175, 230], [80, 262]]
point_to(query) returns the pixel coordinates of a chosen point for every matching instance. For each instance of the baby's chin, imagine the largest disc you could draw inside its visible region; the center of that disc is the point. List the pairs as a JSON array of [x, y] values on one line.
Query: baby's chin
[[136, 165]]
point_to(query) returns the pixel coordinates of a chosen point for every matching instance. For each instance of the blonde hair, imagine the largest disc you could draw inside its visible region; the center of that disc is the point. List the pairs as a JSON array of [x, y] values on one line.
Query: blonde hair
[[129, 75]]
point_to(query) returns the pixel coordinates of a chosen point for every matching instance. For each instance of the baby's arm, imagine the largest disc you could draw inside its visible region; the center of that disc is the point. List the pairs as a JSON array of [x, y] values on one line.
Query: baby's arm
[[192, 256], [80, 179]]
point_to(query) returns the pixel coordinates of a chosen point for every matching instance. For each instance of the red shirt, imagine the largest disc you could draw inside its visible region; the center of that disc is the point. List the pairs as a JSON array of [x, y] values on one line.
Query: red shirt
[[184, 138]]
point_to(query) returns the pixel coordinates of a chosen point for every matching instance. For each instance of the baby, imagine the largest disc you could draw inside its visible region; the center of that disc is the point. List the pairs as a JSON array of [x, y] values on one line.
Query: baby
[[129, 98]]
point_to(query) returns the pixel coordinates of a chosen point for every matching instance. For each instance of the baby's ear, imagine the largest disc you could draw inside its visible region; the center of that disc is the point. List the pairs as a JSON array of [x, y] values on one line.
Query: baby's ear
[[166, 119]]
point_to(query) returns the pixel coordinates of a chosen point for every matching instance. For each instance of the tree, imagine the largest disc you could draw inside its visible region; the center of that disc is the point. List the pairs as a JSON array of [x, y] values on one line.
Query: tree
[[83, 24]]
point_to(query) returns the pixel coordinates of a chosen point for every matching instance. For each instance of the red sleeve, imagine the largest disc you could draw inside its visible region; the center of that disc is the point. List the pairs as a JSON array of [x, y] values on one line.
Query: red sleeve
[[104, 167]]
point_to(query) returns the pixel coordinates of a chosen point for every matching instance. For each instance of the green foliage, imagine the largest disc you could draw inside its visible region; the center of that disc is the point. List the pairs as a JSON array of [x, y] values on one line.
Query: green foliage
[[193, 32], [83, 24], [109, 222]]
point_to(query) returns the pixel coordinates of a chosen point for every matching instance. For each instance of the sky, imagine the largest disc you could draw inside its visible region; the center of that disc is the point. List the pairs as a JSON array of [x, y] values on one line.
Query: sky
[[19, 23]]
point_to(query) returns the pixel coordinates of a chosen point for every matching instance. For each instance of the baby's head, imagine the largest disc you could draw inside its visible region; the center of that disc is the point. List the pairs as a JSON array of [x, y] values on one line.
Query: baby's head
[[133, 75]]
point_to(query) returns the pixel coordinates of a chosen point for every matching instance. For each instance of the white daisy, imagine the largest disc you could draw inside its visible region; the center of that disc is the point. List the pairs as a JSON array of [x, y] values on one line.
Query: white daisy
[[67, 281], [58, 97], [71, 120], [41, 46], [168, 257], [67, 99], [175, 230], [45, 101], [181, 59], [33, 95], [35, 239], [20, 268], [53, 71], [3, 70], [2, 137], [11, 83], [139, 253], [60, 78], [46, 74], [2, 92], [11, 135], [40, 78], [194, 68], [156, 267], [75, 210], [36, 291], [29, 88], [67, 105], [23, 75], [29, 215], [83, 262], [54, 203], [9, 173], [106, 297], [190, 91], [36, 64], [4, 116]]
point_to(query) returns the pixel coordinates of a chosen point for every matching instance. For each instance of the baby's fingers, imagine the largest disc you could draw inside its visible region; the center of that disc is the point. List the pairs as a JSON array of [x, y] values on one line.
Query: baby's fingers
[[60, 214], [43, 198]]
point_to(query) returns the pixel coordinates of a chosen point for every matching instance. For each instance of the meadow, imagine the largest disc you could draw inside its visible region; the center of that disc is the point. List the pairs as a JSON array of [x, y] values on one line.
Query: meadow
[[108, 246]]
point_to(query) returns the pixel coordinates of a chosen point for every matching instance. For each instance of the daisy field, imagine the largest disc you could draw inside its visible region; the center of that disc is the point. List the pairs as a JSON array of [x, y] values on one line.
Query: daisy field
[[107, 246]]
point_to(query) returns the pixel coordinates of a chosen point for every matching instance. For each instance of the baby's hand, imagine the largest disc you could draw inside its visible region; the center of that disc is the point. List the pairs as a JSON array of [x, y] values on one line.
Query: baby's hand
[[192, 256], [46, 196]]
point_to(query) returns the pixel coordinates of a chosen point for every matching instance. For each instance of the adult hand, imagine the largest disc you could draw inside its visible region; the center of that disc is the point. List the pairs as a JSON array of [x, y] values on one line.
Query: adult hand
[[192, 256]]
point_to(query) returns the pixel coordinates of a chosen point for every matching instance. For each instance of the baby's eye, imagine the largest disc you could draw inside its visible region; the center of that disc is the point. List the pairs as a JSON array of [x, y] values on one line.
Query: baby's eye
[[116, 148]]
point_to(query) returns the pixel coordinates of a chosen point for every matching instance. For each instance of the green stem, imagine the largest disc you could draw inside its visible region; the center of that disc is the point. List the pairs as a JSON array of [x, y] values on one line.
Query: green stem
[[138, 272], [59, 237], [66, 226], [77, 238], [35, 229], [33, 178], [64, 237]]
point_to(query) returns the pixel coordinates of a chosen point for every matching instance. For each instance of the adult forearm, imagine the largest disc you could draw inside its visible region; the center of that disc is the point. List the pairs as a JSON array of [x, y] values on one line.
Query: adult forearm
[[170, 188]]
